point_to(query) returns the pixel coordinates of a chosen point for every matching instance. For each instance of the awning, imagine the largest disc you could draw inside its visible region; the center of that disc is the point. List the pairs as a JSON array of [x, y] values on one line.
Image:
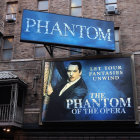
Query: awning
[[9, 77]]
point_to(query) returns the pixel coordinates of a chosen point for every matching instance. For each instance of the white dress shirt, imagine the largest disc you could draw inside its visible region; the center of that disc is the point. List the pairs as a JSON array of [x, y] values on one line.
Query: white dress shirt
[[69, 84]]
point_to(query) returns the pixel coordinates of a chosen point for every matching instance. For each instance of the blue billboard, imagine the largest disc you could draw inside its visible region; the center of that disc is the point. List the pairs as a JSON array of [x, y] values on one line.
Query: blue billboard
[[48, 28], [89, 90]]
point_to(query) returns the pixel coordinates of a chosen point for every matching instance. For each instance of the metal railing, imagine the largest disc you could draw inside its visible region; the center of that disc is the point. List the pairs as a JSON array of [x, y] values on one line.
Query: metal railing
[[7, 114]]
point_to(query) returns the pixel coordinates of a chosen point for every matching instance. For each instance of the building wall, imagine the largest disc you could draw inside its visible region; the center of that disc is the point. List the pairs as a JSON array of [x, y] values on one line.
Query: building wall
[[127, 21], [25, 65]]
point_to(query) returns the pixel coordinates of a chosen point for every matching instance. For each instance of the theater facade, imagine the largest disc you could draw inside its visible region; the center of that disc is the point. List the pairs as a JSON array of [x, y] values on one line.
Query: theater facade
[[69, 69]]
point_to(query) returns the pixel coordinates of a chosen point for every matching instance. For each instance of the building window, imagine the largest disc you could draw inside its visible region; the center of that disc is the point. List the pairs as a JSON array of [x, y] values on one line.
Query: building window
[[76, 10], [40, 51], [11, 12], [76, 7], [111, 6], [43, 5], [7, 48], [117, 49]]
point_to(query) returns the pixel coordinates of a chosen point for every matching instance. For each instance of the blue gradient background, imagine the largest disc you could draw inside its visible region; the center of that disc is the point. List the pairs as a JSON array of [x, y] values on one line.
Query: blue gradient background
[[121, 88], [32, 36]]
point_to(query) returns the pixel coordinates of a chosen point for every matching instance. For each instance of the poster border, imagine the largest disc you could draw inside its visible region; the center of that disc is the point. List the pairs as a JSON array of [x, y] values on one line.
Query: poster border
[[131, 56], [67, 45]]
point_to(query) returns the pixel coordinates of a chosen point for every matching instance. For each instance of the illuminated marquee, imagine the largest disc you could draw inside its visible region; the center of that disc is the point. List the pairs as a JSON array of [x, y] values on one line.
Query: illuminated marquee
[[103, 92], [67, 30], [91, 32]]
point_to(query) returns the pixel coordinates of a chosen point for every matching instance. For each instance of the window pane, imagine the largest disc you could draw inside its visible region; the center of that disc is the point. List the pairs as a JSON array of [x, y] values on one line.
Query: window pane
[[76, 12], [40, 52], [7, 54], [116, 35], [114, 5], [117, 49], [8, 43], [43, 5], [12, 8], [73, 51], [110, 1], [75, 3]]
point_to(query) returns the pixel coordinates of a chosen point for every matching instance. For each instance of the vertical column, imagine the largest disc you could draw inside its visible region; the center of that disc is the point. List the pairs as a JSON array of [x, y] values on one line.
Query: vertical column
[[13, 101]]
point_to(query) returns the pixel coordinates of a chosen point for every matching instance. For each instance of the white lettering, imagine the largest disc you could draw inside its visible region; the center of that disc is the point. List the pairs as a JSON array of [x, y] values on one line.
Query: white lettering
[[87, 104], [101, 34], [56, 28], [81, 30], [39, 26], [115, 103], [69, 29], [88, 33], [77, 102], [30, 25], [124, 104], [69, 103]]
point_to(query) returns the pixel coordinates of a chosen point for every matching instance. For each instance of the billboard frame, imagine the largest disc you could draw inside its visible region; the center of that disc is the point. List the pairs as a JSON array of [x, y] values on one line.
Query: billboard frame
[[68, 45], [131, 56]]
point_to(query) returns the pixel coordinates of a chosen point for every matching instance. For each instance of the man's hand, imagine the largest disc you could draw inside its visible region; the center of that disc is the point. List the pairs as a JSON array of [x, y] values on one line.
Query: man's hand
[[49, 89]]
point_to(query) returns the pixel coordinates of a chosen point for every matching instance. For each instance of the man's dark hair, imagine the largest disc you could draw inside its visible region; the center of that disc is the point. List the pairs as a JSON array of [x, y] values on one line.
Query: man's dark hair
[[78, 64]]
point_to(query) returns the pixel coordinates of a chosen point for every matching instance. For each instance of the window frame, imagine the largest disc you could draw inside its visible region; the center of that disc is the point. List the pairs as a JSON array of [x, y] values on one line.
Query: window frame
[[5, 49], [71, 7], [47, 10], [72, 53], [112, 3], [39, 46], [117, 49], [10, 3], [13, 14]]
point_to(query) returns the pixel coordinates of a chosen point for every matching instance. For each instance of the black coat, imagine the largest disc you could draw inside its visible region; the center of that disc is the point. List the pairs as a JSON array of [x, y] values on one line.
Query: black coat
[[57, 107]]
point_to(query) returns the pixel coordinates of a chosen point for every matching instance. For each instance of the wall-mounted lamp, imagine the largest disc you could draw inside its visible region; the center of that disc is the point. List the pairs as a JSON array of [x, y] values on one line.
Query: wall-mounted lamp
[[6, 129]]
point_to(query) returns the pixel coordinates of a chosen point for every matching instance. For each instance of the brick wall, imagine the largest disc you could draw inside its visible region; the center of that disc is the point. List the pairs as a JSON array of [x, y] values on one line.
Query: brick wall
[[128, 22]]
